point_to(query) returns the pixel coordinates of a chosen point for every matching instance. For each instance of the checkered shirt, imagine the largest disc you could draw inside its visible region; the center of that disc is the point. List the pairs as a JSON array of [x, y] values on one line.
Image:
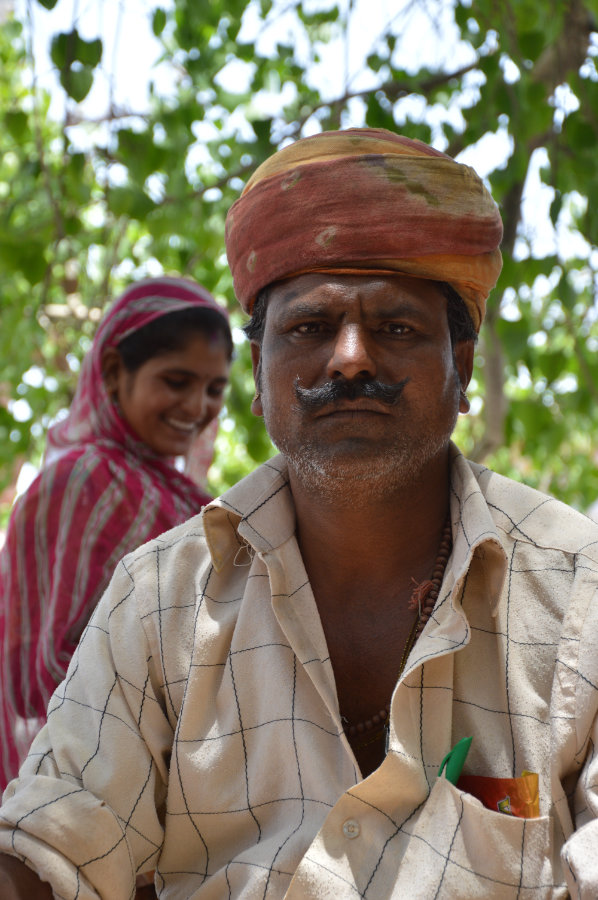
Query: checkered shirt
[[198, 733]]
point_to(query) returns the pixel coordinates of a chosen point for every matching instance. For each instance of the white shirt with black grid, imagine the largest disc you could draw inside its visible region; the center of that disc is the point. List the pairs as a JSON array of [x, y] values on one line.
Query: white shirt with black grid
[[198, 733]]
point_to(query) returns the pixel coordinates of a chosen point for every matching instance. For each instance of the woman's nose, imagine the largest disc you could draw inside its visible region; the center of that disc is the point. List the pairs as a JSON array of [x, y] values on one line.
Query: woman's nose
[[351, 354], [195, 404]]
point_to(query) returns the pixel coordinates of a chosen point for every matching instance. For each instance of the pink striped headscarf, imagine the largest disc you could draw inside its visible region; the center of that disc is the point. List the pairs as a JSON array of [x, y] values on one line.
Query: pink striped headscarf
[[92, 413], [101, 493]]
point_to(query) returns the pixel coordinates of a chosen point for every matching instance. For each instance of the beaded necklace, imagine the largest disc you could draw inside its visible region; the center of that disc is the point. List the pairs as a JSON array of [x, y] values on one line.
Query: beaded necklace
[[423, 599]]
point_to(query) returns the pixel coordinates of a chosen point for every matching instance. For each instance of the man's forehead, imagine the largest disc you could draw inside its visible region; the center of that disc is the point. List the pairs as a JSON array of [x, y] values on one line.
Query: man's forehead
[[315, 290]]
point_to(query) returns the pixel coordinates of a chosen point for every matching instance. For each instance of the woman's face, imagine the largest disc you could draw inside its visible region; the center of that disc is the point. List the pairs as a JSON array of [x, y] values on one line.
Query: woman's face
[[172, 397]]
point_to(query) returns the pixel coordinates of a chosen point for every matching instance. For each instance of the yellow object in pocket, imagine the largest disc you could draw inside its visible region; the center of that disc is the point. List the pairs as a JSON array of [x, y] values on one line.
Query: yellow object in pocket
[[518, 797]]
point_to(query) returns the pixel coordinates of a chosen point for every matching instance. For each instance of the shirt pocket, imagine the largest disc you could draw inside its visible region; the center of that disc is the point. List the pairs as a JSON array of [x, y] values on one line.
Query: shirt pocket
[[458, 849]]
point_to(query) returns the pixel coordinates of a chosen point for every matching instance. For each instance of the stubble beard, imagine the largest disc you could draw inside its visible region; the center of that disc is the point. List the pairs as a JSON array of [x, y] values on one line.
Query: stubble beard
[[363, 475], [367, 472]]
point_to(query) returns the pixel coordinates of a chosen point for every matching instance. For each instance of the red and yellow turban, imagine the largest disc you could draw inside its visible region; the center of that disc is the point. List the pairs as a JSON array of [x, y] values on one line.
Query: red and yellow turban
[[365, 200]]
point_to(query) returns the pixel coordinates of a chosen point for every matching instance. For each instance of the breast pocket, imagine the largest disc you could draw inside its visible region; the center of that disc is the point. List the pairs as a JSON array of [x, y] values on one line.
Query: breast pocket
[[459, 849]]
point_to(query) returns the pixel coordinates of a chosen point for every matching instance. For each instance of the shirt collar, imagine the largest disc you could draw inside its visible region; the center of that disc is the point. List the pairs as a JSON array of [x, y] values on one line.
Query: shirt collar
[[258, 513], [474, 529]]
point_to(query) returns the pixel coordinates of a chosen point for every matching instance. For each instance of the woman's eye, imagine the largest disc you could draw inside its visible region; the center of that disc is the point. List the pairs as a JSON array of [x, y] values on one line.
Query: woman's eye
[[175, 383]]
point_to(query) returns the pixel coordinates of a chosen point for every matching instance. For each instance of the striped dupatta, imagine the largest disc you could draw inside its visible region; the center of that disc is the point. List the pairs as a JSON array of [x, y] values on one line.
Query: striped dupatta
[[100, 494]]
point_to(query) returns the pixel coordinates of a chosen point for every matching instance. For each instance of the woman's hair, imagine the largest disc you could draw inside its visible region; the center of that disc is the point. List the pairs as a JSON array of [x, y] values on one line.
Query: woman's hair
[[171, 332]]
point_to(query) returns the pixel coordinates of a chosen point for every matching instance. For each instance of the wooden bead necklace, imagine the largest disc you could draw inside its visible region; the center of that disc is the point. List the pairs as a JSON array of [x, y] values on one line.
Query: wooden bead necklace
[[423, 599]]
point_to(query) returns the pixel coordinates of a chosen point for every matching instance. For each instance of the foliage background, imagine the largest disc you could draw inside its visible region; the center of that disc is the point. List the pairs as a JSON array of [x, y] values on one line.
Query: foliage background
[[88, 203]]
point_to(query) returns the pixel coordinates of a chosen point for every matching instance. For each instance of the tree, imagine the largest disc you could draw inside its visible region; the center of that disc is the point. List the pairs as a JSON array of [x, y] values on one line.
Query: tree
[[151, 190]]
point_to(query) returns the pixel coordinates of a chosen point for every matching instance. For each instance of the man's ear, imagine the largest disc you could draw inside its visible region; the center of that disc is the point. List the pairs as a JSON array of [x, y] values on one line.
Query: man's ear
[[111, 363], [256, 364], [464, 354]]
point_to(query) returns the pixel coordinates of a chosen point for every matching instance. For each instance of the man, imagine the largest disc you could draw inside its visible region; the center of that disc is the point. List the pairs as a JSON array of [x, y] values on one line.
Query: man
[[263, 703]]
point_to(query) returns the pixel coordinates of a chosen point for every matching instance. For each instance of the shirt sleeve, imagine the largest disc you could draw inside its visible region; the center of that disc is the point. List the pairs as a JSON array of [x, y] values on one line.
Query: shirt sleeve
[[580, 860], [86, 811]]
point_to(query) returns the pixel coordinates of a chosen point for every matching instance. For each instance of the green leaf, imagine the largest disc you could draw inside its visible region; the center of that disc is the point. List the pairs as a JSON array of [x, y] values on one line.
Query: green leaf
[[61, 47], [531, 43], [591, 224], [88, 52], [47, 4], [376, 62], [553, 365], [77, 82], [555, 207], [263, 130], [26, 257], [378, 113], [130, 201], [68, 47], [72, 225], [158, 21], [581, 132], [16, 122]]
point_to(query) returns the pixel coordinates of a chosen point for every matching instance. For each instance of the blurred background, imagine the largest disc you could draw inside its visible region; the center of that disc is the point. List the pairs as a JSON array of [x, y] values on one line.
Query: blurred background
[[128, 128]]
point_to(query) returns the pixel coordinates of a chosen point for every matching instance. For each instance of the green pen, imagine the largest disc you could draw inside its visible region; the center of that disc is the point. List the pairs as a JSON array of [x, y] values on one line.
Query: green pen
[[455, 759]]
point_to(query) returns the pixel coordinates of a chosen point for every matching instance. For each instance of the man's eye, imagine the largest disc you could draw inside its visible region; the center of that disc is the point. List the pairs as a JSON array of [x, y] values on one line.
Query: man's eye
[[397, 328], [308, 328], [175, 383]]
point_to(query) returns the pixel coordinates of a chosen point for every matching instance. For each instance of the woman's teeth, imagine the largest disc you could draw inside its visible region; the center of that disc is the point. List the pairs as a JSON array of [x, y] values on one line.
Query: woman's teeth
[[181, 426]]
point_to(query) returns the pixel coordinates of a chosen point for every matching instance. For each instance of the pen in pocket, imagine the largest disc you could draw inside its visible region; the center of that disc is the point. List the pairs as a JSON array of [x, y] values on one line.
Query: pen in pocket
[[453, 762]]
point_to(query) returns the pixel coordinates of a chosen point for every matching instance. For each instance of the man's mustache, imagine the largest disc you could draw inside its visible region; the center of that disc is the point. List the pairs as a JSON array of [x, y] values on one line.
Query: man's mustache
[[311, 399]]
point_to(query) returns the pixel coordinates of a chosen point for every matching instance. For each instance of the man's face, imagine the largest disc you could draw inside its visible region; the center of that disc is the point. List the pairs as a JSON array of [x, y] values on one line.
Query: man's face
[[350, 334]]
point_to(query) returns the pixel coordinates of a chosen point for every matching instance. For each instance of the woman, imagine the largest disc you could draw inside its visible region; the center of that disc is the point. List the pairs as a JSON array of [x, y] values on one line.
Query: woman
[[151, 383]]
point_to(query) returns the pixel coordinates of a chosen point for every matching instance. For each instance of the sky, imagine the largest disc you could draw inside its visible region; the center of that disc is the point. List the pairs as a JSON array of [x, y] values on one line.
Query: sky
[[131, 59], [123, 25], [119, 21], [131, 53]]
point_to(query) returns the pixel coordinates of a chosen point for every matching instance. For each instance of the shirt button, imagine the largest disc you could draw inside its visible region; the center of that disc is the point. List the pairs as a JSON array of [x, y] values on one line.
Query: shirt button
[[351, 828]]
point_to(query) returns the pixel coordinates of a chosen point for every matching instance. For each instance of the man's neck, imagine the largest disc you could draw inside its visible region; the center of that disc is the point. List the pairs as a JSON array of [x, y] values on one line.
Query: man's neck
[[362, 536], [362, 558]]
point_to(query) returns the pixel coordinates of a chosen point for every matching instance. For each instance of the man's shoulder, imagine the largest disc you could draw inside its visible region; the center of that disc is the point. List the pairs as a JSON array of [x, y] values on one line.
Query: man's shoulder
[[181, 547], [255, 489], [528, 514], [212, 534]]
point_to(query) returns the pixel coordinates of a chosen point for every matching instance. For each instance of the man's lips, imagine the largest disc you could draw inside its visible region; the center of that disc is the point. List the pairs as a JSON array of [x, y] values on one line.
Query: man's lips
[[353, 408]]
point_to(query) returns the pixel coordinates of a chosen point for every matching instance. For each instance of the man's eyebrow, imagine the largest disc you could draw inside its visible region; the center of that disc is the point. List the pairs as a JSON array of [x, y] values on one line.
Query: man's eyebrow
[[399, 308], [303, 309], [309, 309]]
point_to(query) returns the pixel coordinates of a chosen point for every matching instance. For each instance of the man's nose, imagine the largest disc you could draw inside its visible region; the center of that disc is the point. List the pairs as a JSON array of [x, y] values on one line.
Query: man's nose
[[351, 355]]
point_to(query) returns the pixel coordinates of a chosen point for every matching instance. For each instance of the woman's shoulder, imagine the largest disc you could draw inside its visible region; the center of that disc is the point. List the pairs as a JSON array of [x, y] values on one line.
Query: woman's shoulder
[[85, 475], [85, 466]]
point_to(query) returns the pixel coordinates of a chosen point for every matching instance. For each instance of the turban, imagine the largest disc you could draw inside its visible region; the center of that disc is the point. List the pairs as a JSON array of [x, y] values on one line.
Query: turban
[[368, 201]]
